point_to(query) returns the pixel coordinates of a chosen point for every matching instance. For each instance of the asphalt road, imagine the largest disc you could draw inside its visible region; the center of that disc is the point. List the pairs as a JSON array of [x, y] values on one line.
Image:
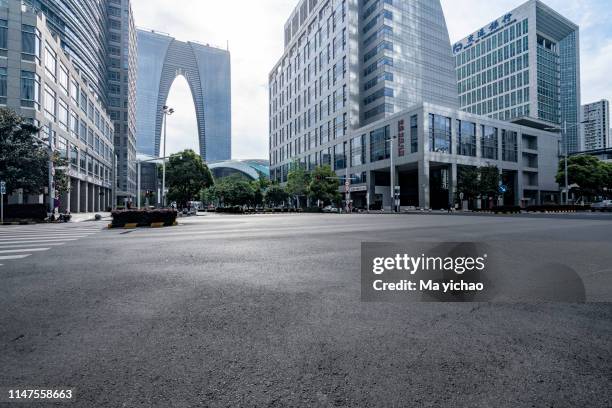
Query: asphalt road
[[265, 311]]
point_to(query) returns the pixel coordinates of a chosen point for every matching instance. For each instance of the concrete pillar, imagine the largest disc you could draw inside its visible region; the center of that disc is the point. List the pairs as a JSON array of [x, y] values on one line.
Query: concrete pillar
[[90, 197], [452, 183], [82, 196], [518, 185], [96, 198], [424, 201], [85, 187], [371, 193]]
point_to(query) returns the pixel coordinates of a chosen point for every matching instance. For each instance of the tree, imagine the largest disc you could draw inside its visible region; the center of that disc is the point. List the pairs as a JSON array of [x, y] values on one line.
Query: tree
[[186, 176], [468, 182], [297, 182], [489, 181], [209, 195], [24, 159], [235, 190], [324, 185], [588, 172], [275, 195], [61, 178]]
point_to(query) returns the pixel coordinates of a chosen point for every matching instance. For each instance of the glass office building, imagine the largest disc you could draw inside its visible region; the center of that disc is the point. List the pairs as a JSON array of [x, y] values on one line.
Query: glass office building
[[348, 63], [207, 70], [100, 38], [523, 66]]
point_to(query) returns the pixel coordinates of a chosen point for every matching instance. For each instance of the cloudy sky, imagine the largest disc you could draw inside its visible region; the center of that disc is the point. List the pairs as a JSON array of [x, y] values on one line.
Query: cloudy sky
[[254, 32]]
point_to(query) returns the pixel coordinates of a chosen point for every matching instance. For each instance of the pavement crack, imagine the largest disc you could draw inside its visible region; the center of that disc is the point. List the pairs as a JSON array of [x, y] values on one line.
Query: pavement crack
[[21, 336]]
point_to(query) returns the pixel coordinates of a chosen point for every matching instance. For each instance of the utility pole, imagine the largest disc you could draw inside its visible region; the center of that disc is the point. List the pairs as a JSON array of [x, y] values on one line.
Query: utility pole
[[138, 188], [167, 111], [51, 171], [566, 175]]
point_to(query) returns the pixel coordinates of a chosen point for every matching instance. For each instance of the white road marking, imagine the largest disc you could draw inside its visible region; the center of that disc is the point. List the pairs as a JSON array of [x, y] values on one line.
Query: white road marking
[[14, 256], [11, 251], [41, 236]]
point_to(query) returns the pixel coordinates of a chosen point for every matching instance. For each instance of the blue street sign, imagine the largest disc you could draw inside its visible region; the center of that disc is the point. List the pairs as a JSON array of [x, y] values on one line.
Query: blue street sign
[[503, 188], [2, 187]]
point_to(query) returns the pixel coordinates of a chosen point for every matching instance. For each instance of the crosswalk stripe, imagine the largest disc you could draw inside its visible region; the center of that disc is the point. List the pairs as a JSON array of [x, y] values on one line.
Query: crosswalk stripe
[[14, 257], [11, 251], [6, 237], [38, 240], [21, 245], [39, 236]]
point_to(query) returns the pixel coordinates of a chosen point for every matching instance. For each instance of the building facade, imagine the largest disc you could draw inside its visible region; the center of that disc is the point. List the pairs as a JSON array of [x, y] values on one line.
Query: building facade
[[368, 88], [121, 87], [100, 38], [41, 83], [207, 70], [522, 66], [596, 125], [248, 169], [348, 63]]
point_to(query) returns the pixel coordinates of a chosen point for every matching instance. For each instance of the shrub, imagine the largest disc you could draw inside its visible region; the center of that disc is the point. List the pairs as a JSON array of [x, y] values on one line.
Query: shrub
[[144, 218], [26, 211]]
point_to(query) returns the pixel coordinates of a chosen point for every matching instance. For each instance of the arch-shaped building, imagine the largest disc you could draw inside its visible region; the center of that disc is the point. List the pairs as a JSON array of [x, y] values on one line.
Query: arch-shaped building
[[161, 58]]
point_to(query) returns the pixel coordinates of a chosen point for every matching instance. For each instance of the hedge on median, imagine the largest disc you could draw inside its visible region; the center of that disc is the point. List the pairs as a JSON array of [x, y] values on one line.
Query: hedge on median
[[557, 208], [144, 218]]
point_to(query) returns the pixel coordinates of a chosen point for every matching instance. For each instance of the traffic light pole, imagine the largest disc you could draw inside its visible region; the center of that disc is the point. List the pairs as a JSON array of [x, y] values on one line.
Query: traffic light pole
[[51, 189]]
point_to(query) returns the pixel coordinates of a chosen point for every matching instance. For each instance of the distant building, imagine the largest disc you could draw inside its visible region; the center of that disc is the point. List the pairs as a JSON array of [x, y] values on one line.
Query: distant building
[[596, 125], [522, 67], [161, 59], [250, 169]]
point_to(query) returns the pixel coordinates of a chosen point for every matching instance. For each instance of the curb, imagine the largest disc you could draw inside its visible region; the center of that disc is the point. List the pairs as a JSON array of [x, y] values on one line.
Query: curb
[[135, 225]]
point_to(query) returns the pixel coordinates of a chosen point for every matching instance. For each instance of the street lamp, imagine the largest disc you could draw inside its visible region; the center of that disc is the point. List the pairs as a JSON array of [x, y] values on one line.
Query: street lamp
[[166, 111], [392, 168], [565, 151]]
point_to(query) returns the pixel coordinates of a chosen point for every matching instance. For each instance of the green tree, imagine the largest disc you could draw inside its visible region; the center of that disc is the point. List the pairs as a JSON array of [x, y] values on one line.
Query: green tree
[[588, 172], [297, 182], [324, 185], [489, 181], [208, 195], [468, 182], [61, 178], [24, 159], [186, 176], [275, 195], [235, 190]]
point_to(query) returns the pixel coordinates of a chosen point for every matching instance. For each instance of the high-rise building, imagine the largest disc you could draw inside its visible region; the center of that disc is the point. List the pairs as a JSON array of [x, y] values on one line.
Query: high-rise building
[[348, 63], [161, 58], [121, 79], [100, 38], [523, 66], [369, 88], [596, 125], [42, 82]]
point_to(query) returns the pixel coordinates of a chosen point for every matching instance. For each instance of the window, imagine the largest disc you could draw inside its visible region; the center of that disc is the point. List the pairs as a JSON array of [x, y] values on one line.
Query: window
[[509, 146], [489, 142], [3, 86], [30, 43], [340, 156], [74, 125], [414, 134], [74, 155], [466, 138], [439, 134], [74, 91], [379, 145], [50, 109], [30, 89], [62, 113], [63, 78], [3, 34], [50, 62], [358, 151]]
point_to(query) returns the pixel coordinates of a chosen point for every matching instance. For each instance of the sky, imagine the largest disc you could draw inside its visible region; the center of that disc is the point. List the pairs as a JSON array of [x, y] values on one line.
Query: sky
[[254, 32]]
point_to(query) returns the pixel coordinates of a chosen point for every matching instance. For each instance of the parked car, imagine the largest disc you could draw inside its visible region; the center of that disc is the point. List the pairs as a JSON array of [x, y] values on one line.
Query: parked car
[[330, 209], [605, 205]]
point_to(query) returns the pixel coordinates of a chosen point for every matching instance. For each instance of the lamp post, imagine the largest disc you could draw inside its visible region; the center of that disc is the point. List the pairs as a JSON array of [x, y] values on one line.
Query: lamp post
[[393, 197], [167, 111], [564, 130], [51, 171]]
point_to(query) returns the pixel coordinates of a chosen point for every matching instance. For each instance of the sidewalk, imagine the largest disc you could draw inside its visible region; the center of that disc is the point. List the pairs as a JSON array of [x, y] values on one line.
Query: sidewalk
[[81, 217]]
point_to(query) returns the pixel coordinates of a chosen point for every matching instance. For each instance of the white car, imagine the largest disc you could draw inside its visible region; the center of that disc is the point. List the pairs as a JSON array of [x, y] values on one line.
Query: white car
[[330, 209]]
